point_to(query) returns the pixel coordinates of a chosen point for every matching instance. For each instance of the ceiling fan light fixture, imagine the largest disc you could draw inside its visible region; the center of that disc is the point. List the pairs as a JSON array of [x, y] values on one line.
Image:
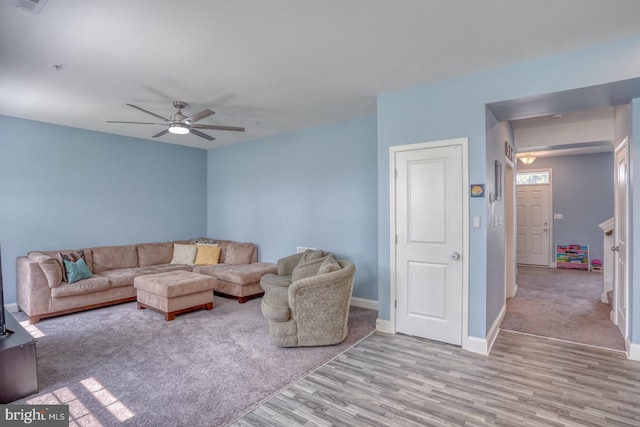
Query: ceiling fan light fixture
[[178, 129], [527, 159]]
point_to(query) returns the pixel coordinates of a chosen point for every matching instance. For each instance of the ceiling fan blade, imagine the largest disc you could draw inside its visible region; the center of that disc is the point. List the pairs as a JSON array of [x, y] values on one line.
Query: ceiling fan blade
[[137, 123], [148, 112], [160, 133], [198, 116], [202, 135], [214, 127]]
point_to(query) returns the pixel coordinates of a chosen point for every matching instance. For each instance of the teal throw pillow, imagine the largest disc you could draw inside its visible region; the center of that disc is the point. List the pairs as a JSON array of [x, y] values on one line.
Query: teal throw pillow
[[76, 270]]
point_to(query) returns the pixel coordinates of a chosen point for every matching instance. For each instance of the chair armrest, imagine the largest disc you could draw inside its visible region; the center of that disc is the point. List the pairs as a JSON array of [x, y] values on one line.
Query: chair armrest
[[322, 292], [320, 305]]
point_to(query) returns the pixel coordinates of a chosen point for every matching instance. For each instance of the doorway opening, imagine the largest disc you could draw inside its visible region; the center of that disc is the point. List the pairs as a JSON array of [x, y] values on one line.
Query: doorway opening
[[562, 303]]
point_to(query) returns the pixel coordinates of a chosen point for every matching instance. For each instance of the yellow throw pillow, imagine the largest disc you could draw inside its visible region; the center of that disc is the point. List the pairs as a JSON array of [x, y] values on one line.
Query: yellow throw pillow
[[207, 254]]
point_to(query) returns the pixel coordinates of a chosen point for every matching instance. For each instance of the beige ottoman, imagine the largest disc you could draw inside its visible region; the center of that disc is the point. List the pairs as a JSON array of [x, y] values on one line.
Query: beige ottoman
[[175, 292]]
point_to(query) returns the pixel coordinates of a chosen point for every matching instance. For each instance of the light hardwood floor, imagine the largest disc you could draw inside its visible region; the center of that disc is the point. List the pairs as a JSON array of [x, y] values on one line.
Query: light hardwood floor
[[396, 380]]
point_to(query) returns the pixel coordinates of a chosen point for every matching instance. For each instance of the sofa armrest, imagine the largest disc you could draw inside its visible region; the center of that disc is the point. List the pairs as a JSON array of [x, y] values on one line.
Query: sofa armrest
[[34, 293]]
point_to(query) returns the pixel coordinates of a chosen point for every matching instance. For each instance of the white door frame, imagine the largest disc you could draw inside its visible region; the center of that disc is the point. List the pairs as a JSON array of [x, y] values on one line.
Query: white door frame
[[511, 287], [464, 144], [551, 260], [614, 315]]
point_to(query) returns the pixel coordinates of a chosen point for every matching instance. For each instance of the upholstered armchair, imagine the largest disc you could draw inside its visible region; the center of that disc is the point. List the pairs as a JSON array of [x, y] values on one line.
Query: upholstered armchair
[[313, 310], [311, 258]]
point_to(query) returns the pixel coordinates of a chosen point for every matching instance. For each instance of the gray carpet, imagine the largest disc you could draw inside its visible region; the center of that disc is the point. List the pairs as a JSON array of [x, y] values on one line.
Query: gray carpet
[[127, 367], [562, 304]]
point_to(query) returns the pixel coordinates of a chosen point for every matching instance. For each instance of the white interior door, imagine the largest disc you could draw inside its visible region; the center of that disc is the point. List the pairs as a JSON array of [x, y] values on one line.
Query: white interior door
[[429, 243], [533, 219], [620, 231]]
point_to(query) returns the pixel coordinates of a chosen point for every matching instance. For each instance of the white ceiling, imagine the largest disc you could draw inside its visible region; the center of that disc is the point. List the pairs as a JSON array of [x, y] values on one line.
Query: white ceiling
[[270, 66]]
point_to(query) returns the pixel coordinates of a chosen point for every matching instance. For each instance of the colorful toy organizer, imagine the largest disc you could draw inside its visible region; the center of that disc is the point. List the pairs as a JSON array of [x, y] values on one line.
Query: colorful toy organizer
[[572, 256]]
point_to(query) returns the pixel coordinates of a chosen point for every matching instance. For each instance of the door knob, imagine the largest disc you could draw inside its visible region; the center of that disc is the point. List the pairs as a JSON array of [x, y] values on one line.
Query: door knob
[[455, 256]]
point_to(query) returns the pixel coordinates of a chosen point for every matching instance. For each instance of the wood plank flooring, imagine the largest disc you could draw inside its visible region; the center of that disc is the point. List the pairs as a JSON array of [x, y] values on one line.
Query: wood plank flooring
[[396, 380]]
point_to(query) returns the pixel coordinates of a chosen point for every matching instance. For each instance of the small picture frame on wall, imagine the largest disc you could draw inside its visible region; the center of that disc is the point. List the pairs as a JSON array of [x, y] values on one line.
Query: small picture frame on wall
[[498, 181], [508, 150], [477, 190]]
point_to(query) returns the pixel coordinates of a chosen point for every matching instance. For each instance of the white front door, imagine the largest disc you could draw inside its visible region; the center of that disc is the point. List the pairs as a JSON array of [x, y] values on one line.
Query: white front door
[[533, 224], [620, 248], [429, 249]]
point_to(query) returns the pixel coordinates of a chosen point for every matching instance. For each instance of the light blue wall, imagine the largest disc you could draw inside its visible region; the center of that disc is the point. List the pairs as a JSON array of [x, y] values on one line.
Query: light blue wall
[[497, 134], [456, 108], [313, 188], [583, 193], [63, 187]]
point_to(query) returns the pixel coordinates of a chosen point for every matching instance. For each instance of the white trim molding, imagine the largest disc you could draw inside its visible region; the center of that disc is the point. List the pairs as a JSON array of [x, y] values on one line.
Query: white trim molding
[[495, 328], [476, 345], [12, 308], [383, 325], [364, 303], [634, 351], [484, 345]]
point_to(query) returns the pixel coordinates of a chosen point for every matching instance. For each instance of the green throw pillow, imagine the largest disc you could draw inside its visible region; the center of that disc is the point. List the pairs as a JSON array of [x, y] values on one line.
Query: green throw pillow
[[76, 270]]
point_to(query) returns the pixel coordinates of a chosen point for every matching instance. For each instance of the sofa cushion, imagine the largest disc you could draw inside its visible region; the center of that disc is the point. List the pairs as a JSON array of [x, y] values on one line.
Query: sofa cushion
[[114, 257], [76, 270], [271, 281], [239, 253], [329, 265], [154, 253], [183, 253], [123, 276], [275, 305], [306, 269], [311, 254], [95, 283], [207, 254], [244, 274], [49, 267], [69, 255]]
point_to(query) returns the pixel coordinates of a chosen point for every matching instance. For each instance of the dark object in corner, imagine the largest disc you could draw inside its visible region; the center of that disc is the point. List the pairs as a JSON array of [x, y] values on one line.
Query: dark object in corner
[[4, 332], [18, 368]]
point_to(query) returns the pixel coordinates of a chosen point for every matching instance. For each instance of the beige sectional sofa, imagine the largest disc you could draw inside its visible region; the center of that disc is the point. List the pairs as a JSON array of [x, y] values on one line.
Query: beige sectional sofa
[[44, 292]]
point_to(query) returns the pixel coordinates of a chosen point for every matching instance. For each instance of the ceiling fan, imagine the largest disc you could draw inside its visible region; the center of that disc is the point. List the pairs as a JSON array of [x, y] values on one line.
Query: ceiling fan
[[180, 124]]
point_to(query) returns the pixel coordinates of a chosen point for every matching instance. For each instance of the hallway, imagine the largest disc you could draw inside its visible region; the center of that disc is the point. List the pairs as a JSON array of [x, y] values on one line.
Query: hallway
[[562, 304]]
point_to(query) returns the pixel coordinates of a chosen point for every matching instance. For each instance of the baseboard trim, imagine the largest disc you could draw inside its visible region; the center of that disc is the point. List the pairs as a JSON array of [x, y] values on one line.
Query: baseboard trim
[[364, 303], [476, 345], [484, 345], [383, 325], [634, 351], [495, 328], [12, 308]]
